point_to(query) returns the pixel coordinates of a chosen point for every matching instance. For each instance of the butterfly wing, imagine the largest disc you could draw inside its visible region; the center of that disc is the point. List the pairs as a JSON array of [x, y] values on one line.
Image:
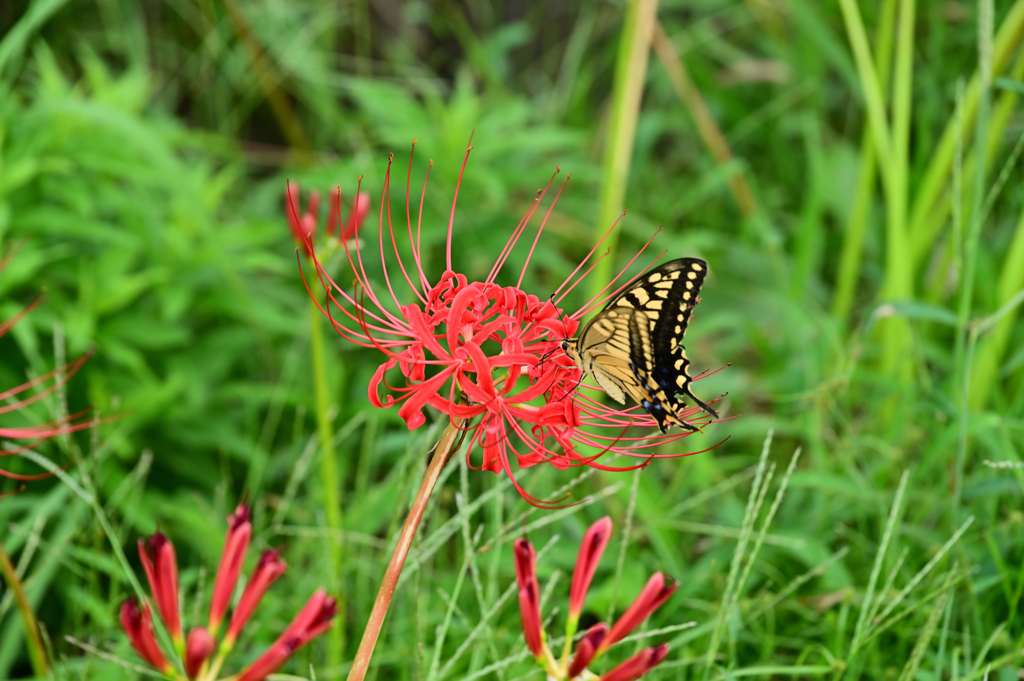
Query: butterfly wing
[[637, 340]]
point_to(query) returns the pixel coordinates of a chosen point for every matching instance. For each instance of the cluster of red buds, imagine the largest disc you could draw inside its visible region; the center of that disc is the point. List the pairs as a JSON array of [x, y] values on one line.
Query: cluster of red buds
[[303, 227], [196, 651], [599, 638]]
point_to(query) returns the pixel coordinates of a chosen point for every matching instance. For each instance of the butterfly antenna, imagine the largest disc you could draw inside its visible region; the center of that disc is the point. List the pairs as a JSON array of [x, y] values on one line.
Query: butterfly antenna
[[544, 357]]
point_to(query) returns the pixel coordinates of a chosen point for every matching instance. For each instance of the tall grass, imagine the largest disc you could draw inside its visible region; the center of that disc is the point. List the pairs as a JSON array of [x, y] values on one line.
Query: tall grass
[[862, 222]]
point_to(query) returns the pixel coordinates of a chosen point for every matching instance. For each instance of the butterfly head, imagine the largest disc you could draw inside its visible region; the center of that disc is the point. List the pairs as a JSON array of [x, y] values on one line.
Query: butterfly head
[[570, 350]]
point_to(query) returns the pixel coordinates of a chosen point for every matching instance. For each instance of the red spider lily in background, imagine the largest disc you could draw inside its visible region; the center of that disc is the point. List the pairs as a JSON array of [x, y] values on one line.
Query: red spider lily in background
[[599, 637], [15, 398], [197, 649], [481, 352], [303, 227]]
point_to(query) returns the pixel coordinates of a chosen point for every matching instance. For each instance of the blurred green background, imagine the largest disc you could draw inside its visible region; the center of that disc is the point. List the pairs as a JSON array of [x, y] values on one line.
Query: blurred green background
[[850, 172]]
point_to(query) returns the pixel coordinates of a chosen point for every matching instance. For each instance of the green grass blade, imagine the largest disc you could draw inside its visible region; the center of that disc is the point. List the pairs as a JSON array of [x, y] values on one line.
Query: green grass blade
[[757, 490], [627, 91], [869, 595]]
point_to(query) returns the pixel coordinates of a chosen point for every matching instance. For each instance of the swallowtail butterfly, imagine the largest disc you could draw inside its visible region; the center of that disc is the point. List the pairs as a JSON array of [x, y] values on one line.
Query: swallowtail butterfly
[[634, 346]]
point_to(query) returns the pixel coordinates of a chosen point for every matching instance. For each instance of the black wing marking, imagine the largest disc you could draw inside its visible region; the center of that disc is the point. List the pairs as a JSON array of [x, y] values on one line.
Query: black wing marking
[[667, 295]]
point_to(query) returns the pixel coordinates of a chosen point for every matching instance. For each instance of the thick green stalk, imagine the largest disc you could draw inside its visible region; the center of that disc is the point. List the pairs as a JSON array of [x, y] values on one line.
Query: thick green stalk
[[36, 651], [892, 146], [1002, 113], [329, 479], [853, 236], [990, 351], [922, 226], [874, 98], [963, 359], [898, 282], [627, 91]]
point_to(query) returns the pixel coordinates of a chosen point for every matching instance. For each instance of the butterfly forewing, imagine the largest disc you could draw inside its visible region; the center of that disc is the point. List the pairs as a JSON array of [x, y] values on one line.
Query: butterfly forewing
[[635, 344]]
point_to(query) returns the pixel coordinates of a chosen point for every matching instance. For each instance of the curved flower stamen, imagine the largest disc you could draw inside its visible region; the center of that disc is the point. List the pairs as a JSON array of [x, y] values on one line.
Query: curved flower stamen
[[44, 385]]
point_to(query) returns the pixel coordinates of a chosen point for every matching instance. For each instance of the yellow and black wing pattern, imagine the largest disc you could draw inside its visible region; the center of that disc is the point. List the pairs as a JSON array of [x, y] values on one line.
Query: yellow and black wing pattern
[[634, 346]]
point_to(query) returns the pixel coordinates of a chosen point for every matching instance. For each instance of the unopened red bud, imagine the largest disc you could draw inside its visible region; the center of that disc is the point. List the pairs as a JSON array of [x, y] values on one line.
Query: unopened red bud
[[235, 547], [161, 566], [638, 665], [315, 618], [198, 648], [360, 208], [591, 549], [269, 568], [529, 597], [654, 593], [137, 623], [587, 648]]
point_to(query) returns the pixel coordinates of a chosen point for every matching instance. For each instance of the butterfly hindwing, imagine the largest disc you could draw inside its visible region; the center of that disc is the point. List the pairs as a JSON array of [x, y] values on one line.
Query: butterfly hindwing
[[606, 350], [635, 344]]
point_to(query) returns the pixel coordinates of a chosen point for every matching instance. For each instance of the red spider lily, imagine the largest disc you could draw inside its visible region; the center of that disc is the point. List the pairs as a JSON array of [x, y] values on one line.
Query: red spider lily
[[599, 637], [480, 351], [160, 565], [14, 398]]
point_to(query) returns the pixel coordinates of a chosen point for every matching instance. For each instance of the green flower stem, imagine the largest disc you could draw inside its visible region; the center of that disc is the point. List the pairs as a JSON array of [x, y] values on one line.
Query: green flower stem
[[570, 631], [36, 651], [328, 473], [450, 440], [627, 91]]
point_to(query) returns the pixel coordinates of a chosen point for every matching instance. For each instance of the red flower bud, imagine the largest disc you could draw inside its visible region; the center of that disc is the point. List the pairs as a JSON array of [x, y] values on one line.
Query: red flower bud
[[198, 648], [638, 665], [314, 619], [360, 207], [654, 593], [269, 568], [303, 227], [161, 566], [235, 547], [138, 625], [591, 549], [587, 648], [529, 597]]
